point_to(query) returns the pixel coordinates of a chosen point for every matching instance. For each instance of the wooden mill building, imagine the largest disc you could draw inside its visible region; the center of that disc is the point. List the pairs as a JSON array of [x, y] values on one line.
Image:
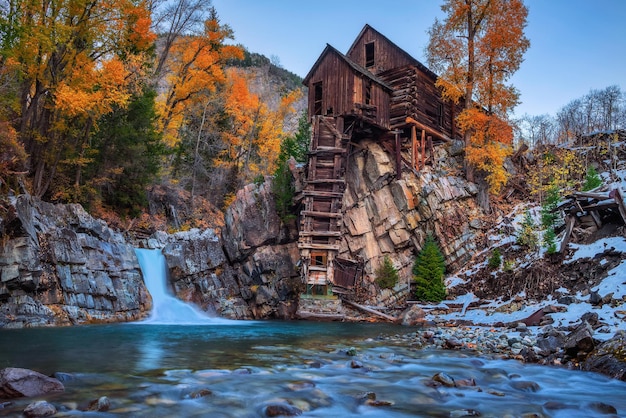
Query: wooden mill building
[[377, 91]]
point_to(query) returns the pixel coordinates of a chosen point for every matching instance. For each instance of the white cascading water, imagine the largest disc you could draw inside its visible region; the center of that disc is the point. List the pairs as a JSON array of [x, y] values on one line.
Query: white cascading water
[[166, 309]]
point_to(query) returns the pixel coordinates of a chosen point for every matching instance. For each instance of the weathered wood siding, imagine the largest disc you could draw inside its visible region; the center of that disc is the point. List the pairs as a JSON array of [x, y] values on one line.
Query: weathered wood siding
[[386, 54], [344, 91], [416, 96]]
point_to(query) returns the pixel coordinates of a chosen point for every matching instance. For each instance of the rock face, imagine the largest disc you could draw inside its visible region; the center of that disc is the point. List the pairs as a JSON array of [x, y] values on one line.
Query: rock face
[[247, 272], [60, 266], [386, 216]]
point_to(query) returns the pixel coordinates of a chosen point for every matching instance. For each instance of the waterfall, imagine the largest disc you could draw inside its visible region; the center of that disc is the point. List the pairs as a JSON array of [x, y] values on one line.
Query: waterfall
[[166, 309]]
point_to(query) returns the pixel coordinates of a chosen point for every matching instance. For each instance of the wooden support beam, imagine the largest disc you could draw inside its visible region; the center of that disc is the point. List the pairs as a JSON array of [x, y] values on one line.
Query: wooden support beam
[[570, 220], [414, 160], [320, 233], [320, 214], [619, 199], [398, 155], [431, 131], [423, 162], [311, 246]]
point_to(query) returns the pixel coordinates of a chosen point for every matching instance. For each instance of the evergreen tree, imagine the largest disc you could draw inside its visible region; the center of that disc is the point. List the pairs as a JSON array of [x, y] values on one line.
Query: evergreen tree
[[527, 236], [495, 260], [295, 146], [428, 272], [386, 274], [592, 179]]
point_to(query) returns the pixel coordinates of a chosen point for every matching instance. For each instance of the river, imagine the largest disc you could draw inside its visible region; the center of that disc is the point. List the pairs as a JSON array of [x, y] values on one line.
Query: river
[[180, 363]]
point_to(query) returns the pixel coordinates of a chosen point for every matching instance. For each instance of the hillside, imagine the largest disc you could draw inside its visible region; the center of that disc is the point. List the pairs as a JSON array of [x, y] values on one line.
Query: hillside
[[584, 275]]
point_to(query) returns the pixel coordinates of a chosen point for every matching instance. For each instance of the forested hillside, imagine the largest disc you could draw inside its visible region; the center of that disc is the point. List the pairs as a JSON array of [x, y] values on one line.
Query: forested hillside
[[103, 101]]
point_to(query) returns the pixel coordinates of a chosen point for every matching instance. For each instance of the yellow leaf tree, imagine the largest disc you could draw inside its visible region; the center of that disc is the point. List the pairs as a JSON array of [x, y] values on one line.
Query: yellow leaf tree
[[75, 60], [195, 68], [475, 50]]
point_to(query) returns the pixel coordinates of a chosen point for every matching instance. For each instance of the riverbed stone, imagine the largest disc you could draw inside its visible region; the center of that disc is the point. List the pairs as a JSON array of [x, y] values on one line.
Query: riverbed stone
[[283, 409], [40, 409], [17, 382]]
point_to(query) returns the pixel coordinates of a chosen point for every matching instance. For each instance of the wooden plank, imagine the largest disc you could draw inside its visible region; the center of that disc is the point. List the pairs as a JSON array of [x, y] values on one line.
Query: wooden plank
[[431, 131], [423, 162], [311, 246], [619, 199], [320, 233], [320, 193], [320, 214], [318, 181], [414, 161], [570, 220], [596, 218]]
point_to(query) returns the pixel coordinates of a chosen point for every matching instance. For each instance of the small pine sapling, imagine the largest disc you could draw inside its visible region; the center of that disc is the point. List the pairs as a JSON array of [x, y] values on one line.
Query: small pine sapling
[[386, 274], [495, 260], [428, 271], [527, 236], [592, 179]]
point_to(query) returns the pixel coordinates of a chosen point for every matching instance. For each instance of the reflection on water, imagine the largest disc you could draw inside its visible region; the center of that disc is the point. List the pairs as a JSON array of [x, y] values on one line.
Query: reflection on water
[[237, 371]]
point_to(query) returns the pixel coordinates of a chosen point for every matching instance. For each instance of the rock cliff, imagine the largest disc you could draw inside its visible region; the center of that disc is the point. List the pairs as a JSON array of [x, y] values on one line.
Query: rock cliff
[[60, 266], [387, 216]]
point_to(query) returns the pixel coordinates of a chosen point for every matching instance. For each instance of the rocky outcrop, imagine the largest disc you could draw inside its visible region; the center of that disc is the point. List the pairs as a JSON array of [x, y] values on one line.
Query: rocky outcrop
[[387, 216], [609, 357], [248, 271], [60, 266]]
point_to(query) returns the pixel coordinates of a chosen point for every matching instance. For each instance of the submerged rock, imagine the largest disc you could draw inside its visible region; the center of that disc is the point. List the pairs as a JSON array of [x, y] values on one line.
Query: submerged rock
[[16, 383], [40, 409]]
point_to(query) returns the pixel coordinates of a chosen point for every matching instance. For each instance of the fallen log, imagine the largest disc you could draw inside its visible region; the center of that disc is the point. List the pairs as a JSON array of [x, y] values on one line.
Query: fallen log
[[370, 310]]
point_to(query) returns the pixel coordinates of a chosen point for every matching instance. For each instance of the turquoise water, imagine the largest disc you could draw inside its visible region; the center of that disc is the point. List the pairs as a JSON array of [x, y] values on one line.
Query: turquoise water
[[238, 369]]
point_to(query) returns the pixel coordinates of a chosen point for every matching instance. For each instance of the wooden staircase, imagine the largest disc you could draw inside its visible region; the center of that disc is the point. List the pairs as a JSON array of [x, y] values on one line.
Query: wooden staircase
[[321, 215]]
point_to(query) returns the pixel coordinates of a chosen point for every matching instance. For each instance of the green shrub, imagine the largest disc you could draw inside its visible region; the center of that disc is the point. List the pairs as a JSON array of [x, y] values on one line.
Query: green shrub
[[428, 271], [508, 266], [495, 260], [386, 274]]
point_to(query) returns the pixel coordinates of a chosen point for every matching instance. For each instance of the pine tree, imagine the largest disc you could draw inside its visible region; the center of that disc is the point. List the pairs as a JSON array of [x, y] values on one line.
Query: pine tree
[[592, 179], [428, 272], [386, 274]]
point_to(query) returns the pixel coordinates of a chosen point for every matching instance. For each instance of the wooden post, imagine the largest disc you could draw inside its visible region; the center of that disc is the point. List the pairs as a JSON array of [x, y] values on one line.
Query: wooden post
[[423, 147], [398, 156], [414, 156]]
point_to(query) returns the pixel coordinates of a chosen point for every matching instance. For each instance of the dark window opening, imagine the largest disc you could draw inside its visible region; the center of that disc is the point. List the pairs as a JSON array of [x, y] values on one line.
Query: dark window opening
[[368, 93], [440, 114], [317, 100], [318, 259], [369, 54]]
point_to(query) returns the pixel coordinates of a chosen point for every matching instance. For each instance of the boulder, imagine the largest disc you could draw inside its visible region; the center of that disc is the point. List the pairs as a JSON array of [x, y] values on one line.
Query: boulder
[[609, 357], [580, 340], [16, 383], [412, 316], [40, 409]]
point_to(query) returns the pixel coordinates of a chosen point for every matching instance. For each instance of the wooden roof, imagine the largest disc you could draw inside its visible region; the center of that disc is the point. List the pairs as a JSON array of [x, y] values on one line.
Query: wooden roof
[[356, 67], [412, 60]]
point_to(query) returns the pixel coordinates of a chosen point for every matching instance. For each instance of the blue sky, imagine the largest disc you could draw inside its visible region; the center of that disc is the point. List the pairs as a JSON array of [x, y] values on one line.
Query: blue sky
[[576, 45]]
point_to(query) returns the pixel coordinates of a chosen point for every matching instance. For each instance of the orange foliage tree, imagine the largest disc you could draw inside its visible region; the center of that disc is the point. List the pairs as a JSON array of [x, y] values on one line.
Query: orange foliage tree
[[195, 68], [475, 50], [251, 143], [76, 60]]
